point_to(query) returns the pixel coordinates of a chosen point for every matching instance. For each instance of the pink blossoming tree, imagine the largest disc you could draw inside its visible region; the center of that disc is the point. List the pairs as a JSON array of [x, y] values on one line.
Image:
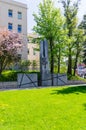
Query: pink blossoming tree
[[10, 42]]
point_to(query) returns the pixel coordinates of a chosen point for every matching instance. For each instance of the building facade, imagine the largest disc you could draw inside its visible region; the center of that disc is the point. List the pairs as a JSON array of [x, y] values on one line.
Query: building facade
[[33, 50], [13, 16]]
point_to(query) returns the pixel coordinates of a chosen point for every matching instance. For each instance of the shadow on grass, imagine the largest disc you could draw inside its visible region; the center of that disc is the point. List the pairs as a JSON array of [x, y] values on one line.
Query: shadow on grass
[[84, 106], [69, 90]]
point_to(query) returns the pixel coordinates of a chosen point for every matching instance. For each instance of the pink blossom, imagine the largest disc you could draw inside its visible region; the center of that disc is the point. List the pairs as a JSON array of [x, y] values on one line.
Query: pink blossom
[[10, 43]]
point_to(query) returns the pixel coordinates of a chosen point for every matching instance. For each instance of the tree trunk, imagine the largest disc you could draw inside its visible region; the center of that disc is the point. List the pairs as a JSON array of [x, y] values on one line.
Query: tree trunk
[[52, 59], [76, 60], [3, 64], [59, 57], [69, 71], [0, 71], [0, 68]]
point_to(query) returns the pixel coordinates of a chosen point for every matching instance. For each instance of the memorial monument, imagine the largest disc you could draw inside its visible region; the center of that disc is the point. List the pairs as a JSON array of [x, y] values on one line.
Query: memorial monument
[[31, 80], [46, 77], [44, 64]]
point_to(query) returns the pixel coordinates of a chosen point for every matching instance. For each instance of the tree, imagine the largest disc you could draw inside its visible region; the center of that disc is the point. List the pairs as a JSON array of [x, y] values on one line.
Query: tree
[[70, 13], [10, 42], [78, 48], [59, 49], [83, 26], [34, 65], [49, 23], [24, 65]]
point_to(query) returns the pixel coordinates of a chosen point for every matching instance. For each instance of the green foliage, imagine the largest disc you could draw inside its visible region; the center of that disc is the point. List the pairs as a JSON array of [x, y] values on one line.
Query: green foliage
[[49, 20], [78, 47], [49, 24], [34, 64], [70, 13], [43, 109], [63, 68], [83, 26], [24, 64], [64, 36], [10, 75], [76, 77]]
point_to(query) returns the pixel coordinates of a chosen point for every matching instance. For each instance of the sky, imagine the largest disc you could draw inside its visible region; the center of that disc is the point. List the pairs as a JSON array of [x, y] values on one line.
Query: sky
[[33, 8]]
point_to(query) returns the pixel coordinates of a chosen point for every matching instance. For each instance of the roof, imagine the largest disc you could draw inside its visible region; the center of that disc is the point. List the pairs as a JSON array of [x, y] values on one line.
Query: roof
[[13, 2]]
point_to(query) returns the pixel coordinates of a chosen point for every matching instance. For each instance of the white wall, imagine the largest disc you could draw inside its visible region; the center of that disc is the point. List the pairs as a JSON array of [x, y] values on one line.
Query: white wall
[[5, 5]]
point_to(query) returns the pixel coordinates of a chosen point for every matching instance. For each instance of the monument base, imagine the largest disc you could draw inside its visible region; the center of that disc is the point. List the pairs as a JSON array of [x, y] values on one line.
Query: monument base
[[58, 79], [27, 80]]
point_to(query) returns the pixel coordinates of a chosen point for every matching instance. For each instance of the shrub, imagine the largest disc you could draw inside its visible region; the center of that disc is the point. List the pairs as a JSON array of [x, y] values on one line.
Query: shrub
[[10, 75]]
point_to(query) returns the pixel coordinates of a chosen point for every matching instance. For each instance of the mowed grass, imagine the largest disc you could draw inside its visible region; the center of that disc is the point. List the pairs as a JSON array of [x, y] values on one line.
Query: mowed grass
[[43, 109]]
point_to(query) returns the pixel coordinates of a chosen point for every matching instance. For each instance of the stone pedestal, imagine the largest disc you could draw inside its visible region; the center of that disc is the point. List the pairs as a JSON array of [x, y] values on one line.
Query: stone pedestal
[[58, 80], [27, 80]]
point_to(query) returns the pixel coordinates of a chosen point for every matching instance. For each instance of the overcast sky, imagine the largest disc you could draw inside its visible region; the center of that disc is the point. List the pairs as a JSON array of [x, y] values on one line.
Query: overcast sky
[[33, 8]]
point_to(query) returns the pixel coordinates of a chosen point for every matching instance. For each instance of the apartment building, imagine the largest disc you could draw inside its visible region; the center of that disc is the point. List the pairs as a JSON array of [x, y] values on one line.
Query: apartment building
[[33, 49], [13, 16]]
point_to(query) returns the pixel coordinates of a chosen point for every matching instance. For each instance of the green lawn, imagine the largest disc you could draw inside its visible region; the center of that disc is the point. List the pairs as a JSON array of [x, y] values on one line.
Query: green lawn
[[43, 109]]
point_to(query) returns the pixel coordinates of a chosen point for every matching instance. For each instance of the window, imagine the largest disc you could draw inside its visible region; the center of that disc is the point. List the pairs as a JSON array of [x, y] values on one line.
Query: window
[[19, 15], [19, 28], [10, 13], [10, 26]]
